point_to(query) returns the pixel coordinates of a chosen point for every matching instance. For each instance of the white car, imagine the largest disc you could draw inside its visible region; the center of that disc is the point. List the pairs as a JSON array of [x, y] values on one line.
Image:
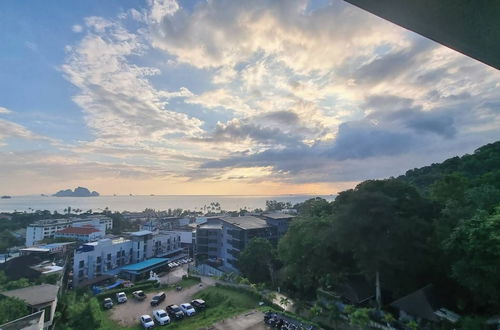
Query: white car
[[121, 297], [146, 321], [188, 309], [161, 317]]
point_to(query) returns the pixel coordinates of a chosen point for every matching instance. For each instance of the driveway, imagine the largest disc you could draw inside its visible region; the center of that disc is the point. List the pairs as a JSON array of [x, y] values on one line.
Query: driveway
[[128, 314]]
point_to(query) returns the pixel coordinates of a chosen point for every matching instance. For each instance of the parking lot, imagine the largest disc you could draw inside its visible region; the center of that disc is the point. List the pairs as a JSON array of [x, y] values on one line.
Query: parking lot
[[128, 314]]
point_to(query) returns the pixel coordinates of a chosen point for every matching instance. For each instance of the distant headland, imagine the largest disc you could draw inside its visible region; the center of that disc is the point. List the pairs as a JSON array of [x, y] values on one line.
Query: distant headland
[[78, 192]]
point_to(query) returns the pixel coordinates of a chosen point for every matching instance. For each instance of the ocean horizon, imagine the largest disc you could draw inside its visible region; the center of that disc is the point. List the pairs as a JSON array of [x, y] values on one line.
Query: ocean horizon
[[135, 203]]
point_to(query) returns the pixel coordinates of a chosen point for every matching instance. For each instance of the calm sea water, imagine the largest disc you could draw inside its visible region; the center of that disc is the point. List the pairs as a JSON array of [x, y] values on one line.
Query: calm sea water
[[139, 203]]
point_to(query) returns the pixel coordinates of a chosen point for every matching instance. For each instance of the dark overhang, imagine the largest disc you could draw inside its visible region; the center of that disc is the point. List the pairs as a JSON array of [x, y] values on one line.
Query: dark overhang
[[471, 27]]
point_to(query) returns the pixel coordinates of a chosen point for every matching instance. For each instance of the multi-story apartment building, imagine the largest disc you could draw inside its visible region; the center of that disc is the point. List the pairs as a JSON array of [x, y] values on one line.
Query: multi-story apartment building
[[237, 232], [222, 239], [107, 256], [208, 240], [48, 228]]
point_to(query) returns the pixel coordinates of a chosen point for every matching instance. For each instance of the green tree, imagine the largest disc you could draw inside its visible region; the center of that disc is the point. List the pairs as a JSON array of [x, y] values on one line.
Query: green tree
[[387, 226], [359, 317], [310, 255], [474, 247], [11, 309], [258, 255]]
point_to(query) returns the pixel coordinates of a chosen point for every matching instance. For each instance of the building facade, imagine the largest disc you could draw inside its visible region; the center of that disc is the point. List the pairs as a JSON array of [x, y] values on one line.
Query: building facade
[[47, 228], [220, 240], [107, 256], [85, 234], [237, 232]]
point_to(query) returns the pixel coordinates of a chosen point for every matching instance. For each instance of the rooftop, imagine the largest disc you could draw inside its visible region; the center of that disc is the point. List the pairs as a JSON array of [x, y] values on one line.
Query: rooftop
[[29, 322], [210, 226], [422, 303], [246, 222], [35, 295], [144, 264], [141, 233], [78, 230], [279, 216]]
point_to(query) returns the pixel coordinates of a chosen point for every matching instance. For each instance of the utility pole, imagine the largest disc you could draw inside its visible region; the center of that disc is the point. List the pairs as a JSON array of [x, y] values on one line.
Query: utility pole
[[378, 296]]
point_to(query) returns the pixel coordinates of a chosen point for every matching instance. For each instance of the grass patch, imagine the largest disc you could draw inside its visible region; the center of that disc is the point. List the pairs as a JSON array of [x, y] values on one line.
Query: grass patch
[[222, 303]]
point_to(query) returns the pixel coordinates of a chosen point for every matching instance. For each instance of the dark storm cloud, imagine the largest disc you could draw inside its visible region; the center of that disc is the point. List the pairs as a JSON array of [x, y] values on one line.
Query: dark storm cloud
[[391, 109], [359, 140]]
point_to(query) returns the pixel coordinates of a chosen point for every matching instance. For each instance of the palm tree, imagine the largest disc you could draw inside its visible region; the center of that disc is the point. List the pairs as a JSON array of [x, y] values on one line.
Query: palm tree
[[284, 301]]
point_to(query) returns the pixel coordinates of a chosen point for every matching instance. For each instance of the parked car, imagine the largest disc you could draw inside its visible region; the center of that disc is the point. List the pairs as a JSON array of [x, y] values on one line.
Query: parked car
[[198, 303], [161, 317], [158, 298], [188, 309], [146, 321], [121, 297], [107, 303], [175, 311], [139, 295]]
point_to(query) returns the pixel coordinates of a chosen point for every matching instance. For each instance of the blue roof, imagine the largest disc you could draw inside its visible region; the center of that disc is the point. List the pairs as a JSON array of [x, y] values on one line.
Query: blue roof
[[145, 264]]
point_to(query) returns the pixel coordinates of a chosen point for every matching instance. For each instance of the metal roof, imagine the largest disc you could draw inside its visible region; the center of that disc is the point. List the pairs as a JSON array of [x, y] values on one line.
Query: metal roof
[[144, 264], [35, 295], [246, 222]]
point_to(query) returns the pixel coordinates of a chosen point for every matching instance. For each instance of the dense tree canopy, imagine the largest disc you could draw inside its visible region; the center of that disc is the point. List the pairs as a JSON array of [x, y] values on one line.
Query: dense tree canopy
[[475, 251], [438, 224], [11, 309], [257, 261]]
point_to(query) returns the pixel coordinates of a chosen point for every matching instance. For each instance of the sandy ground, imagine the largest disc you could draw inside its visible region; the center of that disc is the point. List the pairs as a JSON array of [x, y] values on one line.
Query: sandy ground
[[128, 314], [253, 320]]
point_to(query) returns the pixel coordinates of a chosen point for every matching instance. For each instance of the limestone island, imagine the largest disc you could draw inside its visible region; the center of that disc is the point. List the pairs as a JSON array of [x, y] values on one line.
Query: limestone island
[[78, 192]]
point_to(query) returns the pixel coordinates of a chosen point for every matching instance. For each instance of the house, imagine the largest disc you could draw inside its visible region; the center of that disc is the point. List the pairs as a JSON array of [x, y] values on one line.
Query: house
[[424, 305], [38, 298], [356, 290], [33, 321]]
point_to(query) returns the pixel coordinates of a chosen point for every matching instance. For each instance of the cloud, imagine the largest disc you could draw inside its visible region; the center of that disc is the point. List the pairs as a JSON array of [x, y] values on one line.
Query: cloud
[[77, 28], [224, 33], [10, 129], [4, 110], [120, 104]]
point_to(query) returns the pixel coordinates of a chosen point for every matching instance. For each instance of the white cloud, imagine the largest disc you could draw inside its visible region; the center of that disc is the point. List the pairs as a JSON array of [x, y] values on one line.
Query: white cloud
[[77, 28], [4, 110], [120, 104], [10, 129]]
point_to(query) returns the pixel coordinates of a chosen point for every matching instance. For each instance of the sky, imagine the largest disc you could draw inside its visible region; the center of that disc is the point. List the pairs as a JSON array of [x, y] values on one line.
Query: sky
[[226, 97]]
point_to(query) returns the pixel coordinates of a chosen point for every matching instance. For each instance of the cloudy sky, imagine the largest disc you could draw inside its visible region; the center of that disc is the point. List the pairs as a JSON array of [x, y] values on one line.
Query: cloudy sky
[[227, 97]]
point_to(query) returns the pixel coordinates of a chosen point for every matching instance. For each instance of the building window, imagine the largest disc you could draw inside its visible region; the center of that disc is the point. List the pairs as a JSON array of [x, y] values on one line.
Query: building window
[[81, 264], [109, 256], [80, 273], [98, 260]]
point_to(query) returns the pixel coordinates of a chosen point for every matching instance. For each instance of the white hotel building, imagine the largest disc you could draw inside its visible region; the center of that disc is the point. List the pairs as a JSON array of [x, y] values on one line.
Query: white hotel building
[[106, 256], [48, 228]]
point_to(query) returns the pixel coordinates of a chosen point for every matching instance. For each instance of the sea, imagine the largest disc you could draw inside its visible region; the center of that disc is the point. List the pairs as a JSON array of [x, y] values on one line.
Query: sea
[[138, 203]]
